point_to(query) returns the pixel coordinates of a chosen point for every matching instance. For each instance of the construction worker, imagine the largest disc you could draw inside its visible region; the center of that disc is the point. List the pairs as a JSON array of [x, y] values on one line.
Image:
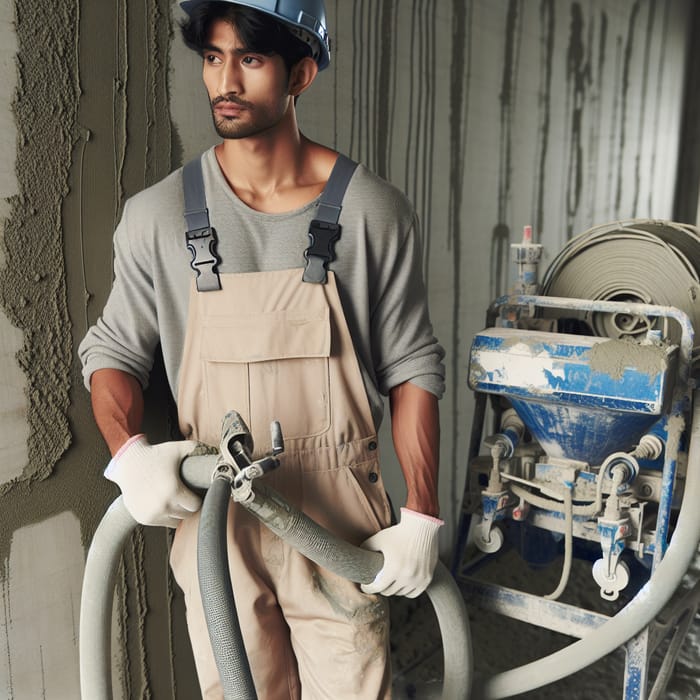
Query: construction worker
[[296, 294]]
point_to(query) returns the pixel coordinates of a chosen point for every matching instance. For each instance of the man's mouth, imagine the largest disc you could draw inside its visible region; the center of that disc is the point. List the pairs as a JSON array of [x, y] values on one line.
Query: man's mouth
[[228, 109]]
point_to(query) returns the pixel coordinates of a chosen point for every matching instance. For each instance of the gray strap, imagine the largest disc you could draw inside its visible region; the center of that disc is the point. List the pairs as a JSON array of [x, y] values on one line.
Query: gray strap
[[200, 237], [324, 230]]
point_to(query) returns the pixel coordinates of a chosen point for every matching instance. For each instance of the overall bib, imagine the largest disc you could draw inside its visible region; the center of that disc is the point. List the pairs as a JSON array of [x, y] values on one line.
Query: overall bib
[[274, 347]]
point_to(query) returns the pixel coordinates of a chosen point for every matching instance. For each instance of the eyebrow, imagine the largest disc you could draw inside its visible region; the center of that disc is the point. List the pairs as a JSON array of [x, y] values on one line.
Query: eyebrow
[[240, 52], [211, 47]]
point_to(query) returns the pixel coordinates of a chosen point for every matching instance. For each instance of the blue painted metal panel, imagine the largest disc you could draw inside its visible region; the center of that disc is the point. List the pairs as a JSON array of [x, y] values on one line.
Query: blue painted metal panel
[[559, 368], [587, 435], [575, 404]]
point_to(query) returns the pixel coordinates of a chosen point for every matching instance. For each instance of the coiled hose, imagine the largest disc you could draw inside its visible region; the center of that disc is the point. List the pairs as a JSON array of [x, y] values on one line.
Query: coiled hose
[[294, 527], [642, 260]]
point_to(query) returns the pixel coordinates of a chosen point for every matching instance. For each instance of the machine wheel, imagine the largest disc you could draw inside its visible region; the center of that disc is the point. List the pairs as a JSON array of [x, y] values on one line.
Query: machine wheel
[[610, 586], [492, 544]]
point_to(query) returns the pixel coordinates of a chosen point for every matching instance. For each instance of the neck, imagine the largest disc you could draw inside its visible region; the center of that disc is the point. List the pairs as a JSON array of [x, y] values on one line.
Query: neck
[[266, 161], [278, 170]]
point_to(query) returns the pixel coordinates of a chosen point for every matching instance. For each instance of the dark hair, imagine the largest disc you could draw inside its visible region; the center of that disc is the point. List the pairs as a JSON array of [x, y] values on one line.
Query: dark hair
[[259, 32]]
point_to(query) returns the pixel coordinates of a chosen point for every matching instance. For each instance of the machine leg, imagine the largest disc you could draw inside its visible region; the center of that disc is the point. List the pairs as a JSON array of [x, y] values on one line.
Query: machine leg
[[637, 666]]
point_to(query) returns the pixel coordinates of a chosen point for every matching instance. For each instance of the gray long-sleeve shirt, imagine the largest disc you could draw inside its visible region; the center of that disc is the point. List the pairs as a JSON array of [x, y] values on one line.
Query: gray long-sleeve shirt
[[377, 267]]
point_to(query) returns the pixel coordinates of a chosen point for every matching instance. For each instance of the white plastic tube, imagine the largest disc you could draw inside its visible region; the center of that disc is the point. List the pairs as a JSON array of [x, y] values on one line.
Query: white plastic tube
[[638, 613]]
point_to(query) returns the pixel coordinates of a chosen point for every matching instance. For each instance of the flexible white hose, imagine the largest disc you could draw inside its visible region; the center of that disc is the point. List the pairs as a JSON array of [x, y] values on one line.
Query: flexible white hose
[[568, 509], [568, 547], [101, 566], [550, 504], [638, 613]]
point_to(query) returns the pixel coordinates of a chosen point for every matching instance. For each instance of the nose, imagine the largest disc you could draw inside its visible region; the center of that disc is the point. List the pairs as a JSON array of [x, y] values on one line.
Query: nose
[[229, 79]]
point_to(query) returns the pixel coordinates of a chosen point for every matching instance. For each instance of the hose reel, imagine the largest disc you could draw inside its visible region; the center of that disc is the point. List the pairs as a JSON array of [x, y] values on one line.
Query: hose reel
[[639, 261]]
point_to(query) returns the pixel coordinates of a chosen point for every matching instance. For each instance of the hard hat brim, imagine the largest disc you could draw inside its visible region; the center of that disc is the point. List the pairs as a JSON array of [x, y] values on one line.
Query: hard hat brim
[[314, 26]]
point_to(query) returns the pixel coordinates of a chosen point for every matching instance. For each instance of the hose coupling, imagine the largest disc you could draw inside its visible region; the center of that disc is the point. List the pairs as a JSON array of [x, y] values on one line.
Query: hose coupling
[[650, 447], [621, 468], [503, 444], [242, 487], [223, 470]]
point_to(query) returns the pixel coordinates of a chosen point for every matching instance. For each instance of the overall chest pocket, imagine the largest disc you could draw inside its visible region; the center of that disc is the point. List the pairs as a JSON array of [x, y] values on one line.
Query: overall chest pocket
[[270, 366]]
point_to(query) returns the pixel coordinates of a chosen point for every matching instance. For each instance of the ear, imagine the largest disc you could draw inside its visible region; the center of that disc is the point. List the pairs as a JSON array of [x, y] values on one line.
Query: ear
[[302, 75]]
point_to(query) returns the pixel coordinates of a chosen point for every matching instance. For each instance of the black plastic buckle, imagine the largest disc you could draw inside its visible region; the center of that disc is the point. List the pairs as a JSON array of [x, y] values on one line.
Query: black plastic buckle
[[323, 236], [202, 244]]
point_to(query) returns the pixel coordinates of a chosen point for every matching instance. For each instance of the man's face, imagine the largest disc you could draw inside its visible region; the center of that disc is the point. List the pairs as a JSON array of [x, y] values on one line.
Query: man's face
[[247, 91]]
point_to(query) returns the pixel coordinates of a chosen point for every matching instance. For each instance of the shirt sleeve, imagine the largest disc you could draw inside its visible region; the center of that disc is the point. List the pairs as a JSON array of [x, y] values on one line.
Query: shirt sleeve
[[404, 347], [126, 334]]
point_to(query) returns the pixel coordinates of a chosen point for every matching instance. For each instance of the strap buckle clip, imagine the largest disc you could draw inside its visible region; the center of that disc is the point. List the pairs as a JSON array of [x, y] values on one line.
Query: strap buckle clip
[[323, 236], [202, 245]]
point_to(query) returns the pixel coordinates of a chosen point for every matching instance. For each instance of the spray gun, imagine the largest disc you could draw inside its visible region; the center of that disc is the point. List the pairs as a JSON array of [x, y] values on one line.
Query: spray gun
[[236, 463]]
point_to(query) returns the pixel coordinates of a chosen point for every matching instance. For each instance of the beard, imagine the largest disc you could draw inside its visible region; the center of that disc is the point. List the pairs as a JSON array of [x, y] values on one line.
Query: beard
[[252, 120]]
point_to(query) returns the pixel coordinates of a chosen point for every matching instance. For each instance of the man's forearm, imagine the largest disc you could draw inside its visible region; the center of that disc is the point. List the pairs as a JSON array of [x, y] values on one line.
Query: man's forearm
[[117, 404], [415, 427]]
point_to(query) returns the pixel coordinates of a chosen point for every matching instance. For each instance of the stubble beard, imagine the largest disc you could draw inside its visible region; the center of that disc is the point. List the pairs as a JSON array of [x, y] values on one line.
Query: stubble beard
[[237, 128], [232, 128], [229, 127]]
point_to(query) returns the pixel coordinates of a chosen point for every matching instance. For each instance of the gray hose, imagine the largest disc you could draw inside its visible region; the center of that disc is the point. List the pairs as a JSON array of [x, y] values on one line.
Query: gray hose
[[312, 540], [361, 566], [96, 601], [293, 526], [217, 594], [638, 613]]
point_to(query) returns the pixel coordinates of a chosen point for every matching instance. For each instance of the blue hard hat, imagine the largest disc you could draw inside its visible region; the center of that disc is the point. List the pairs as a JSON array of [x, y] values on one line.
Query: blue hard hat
[[306, 19]]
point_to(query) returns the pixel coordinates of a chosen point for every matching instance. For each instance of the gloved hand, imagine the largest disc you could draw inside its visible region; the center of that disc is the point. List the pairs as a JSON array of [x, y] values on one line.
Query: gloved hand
[[410, 553], [149, 477]]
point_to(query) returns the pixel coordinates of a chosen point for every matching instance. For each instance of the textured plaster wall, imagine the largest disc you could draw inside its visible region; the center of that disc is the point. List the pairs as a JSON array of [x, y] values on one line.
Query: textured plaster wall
[[86, 88], [490, 114], [14, 428]]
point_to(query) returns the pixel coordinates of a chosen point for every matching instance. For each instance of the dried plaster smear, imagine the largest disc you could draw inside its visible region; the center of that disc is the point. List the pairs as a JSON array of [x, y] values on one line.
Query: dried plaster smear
[[13, 423], [32, 283]]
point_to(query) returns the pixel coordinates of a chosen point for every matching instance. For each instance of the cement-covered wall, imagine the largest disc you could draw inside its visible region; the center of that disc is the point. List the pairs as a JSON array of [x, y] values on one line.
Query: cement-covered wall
[[490, 114], [88, 125]]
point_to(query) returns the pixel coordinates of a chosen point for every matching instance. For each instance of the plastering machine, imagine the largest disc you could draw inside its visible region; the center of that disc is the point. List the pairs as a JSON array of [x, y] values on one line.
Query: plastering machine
[[584, 445]]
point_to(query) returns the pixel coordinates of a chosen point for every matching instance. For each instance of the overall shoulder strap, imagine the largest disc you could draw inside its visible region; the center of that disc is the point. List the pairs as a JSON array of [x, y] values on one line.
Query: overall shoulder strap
[[324, 230], [200, 237]]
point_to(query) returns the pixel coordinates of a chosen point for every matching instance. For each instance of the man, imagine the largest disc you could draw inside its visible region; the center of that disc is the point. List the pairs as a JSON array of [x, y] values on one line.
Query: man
[[277, 329]]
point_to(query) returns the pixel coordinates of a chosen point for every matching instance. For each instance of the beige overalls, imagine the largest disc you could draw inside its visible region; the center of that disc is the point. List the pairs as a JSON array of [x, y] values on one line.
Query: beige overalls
[[275, 348]]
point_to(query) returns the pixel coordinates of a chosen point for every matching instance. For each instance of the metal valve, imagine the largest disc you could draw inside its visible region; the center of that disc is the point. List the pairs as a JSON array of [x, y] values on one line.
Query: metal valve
[[236, 453]]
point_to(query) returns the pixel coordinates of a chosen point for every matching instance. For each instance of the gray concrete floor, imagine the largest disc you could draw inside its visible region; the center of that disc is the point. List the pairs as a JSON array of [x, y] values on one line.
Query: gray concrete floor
[[500, 643], [416, 650]]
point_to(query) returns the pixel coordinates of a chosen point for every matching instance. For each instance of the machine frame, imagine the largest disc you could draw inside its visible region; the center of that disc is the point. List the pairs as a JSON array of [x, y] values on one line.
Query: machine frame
[[674, 622]]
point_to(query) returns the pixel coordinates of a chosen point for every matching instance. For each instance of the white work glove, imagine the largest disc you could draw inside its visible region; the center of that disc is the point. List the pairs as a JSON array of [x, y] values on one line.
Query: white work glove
[[410, 552], [149, 477]]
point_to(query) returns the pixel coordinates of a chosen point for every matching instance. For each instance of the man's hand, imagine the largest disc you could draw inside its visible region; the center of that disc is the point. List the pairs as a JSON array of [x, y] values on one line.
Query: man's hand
[[410, 552], [149, 477]]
